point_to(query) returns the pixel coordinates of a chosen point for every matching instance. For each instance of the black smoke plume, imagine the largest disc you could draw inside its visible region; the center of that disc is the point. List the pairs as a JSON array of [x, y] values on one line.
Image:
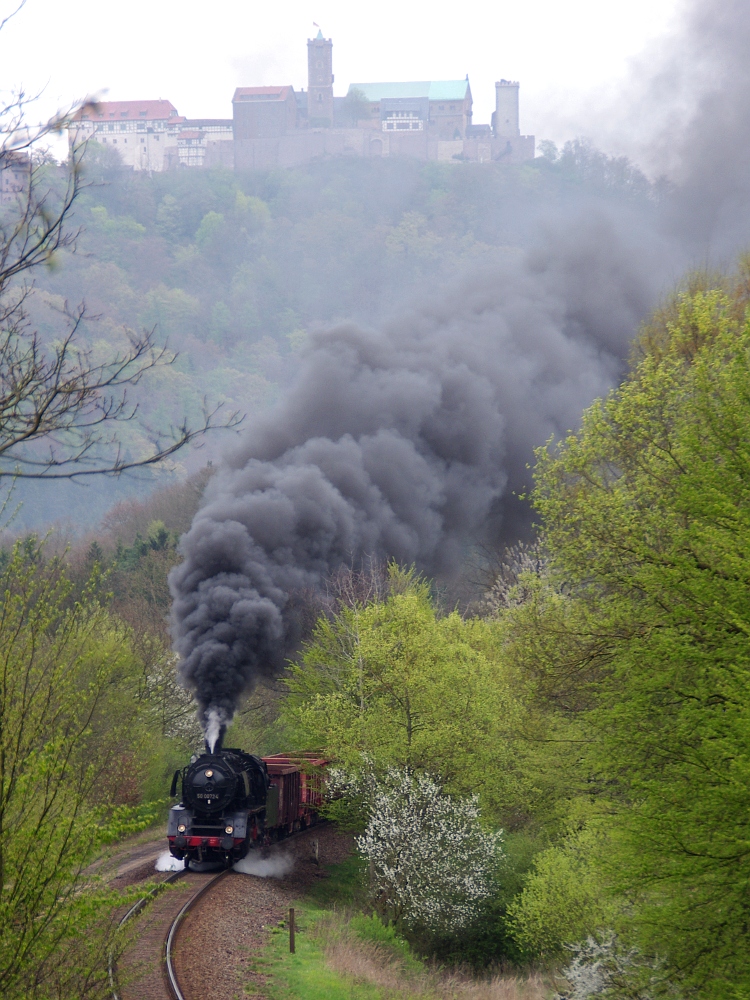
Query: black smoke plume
[[410, 442], [404, 443]]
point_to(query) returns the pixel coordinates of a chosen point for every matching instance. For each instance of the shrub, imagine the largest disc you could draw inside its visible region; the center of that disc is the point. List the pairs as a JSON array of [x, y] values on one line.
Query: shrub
[[431, 862], [562, 899]]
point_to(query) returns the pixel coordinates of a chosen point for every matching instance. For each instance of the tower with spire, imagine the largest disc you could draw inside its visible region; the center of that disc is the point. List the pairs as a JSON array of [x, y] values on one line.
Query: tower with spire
[[319, 81]]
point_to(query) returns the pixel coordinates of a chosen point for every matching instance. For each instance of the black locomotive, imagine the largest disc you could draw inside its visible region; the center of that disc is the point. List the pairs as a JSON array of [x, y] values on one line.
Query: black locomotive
[[232, 801]]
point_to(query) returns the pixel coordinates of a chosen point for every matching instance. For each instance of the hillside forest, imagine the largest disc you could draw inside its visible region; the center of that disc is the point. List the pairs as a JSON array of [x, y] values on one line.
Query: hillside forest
[[233, 271], [581, 715]]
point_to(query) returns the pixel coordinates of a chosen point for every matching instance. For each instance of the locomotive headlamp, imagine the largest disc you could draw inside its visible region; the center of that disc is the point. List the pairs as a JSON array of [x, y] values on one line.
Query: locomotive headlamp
[[229, 829], [209, 774], [181, 828]]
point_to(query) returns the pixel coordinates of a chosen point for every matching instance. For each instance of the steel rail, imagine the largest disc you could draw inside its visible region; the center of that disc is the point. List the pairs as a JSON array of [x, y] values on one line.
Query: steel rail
[[169, 941], [135, 909], [172, 983]]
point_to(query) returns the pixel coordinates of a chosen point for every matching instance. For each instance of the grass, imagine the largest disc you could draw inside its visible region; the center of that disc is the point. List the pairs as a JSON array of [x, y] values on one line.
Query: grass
[[342, 954], [344, 888], [307, 975]]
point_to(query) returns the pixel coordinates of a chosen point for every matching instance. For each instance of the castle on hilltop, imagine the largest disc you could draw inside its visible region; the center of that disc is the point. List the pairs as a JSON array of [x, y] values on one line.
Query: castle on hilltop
[[280, 127]]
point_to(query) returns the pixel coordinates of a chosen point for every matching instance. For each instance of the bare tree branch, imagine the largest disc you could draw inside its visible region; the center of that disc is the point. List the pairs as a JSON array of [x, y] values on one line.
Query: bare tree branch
[[12, 14], [60, 406]]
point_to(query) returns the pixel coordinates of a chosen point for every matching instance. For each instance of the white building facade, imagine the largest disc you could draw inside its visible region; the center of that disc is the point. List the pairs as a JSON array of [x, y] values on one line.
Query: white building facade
[[152, 135]]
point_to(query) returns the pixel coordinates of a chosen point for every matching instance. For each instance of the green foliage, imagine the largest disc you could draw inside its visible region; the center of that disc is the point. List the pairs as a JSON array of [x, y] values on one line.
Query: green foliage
[[72, 739], [394, 680], [169, 221], [371, 928], [408, 688], [645, 629], [562, 899], [211, 225], [158, 539], [346, 885], [356, 106], [171, 310]]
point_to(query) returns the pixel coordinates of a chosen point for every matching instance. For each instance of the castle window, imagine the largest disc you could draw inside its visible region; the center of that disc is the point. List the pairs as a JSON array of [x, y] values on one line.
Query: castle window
[[403, 121]]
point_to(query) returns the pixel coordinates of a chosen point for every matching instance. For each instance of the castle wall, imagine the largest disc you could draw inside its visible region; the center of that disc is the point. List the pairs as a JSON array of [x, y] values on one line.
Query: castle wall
[[448, 119], [303, 145], [260, 120], [512, 149], [449, 149], [219, 153]]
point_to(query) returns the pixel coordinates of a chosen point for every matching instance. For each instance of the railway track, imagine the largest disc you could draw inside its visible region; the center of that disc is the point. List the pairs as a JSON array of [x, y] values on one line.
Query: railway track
[[154, 949], [149, 962], [172, 983]]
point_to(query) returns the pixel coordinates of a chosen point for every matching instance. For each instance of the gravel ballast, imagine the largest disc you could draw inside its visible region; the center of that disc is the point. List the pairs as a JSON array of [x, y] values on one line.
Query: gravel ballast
[[220, 939]]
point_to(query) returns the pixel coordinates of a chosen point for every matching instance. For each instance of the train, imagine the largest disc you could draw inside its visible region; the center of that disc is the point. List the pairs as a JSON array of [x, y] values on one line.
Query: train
[[232, 801]]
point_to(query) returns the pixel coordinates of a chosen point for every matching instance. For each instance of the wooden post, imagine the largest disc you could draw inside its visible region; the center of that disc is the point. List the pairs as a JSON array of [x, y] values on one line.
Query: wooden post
[[291, 929]]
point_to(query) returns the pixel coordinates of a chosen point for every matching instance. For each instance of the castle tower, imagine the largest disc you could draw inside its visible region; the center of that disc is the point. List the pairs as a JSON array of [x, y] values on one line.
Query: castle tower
[[505, 118], [319, 82]]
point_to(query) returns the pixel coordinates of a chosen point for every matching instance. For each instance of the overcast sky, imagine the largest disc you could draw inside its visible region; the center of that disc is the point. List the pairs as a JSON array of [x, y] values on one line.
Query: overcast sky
[[569, 56]]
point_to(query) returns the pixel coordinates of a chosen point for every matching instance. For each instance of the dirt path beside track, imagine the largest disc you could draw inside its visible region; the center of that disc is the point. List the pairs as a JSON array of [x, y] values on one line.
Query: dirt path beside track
[[219, 940], [228, 928]]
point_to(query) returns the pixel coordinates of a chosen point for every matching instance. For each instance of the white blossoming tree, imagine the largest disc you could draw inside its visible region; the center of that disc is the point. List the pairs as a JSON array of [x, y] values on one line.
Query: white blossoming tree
[[610, 968], [431, 862]]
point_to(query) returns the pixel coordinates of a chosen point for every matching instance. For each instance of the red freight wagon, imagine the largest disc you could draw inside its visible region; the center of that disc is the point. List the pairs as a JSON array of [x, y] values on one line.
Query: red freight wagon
[[296, 791]]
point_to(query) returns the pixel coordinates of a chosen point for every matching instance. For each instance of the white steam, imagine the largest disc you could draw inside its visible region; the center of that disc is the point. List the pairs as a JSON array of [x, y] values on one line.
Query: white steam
[[166, 863], [213, 728], [274, 867]]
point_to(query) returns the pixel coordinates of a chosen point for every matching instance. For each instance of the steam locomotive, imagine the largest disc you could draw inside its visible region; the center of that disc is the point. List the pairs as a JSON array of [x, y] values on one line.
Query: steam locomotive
[[232, 801]]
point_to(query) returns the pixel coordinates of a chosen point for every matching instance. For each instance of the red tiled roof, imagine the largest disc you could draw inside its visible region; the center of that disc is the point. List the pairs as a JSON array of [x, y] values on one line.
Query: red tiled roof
[[280, 93], [188, 134], [127, 111]]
